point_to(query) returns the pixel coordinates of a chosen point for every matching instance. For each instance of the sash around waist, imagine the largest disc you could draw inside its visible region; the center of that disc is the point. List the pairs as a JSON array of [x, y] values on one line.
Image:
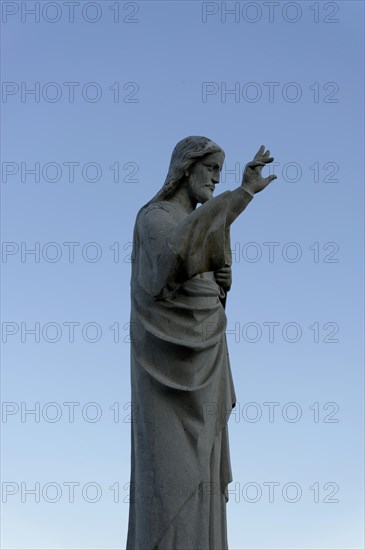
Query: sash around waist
[[194, 318]]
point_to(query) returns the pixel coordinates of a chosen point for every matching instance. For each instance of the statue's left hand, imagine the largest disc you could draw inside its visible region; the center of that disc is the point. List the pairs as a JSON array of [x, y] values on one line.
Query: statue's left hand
[[223, 277]]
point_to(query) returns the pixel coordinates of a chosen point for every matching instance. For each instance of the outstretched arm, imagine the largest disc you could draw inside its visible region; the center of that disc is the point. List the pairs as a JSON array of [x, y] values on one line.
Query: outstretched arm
[[252, 182]]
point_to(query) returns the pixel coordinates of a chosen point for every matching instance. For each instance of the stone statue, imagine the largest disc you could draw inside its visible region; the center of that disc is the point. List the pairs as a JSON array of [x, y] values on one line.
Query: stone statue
[[182, 387]]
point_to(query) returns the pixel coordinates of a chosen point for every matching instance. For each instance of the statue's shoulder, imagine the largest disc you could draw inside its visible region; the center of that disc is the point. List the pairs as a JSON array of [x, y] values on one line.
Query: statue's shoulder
[[167, 206], [156, 209], [156, 216]]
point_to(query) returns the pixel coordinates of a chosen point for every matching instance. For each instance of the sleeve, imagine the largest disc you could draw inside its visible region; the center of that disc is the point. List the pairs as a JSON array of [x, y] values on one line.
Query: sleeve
[[170, 253]]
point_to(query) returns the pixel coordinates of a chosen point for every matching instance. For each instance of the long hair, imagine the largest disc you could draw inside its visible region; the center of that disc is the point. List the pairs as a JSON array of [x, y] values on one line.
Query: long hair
[[185, 153]]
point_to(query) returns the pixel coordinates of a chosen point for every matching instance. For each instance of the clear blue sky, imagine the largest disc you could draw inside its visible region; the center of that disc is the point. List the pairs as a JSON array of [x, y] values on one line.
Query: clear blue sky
[[114, 91]]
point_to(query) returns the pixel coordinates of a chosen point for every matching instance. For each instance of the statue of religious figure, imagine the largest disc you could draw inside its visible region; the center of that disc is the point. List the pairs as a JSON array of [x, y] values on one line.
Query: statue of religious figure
[[182, 388]]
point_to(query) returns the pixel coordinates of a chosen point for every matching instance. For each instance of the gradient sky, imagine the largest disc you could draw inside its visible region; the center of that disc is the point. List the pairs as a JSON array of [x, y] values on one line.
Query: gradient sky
[[145, 75]]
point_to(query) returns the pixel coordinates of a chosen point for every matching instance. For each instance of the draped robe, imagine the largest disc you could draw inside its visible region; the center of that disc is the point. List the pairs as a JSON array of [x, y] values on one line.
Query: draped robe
[[182, 388]]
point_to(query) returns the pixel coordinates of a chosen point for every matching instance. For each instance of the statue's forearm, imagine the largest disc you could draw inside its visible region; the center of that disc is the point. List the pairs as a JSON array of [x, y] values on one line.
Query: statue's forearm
[[237, 202]]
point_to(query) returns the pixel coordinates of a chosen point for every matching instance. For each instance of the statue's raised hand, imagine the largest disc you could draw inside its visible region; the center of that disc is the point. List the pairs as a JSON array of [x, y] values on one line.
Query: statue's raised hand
[[252, 179]]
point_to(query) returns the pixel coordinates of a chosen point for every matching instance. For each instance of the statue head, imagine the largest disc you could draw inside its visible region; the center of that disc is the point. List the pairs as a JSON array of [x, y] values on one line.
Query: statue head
[[184, 155]]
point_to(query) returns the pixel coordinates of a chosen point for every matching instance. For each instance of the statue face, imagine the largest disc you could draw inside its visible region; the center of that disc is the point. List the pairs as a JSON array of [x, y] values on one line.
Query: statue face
[[203, 177]]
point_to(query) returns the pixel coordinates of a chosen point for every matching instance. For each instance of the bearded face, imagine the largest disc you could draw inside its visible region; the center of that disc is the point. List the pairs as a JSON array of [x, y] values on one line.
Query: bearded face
[[203, 176]]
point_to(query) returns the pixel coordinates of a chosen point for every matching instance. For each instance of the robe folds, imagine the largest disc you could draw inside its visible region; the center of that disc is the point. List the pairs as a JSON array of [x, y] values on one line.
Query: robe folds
[[182, 388]]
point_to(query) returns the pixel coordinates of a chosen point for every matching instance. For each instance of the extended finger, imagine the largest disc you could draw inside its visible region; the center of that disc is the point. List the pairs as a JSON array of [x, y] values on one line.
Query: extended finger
[[260, 151], [222, 276], [263, 159], [255, 163], [224, 272], [269, 179]]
